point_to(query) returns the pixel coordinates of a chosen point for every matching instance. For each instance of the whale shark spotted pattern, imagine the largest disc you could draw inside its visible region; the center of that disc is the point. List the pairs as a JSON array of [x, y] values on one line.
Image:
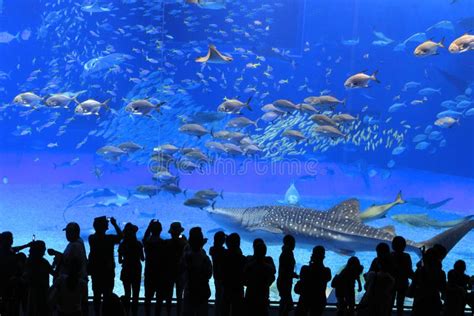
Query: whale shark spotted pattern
[[338, 228]]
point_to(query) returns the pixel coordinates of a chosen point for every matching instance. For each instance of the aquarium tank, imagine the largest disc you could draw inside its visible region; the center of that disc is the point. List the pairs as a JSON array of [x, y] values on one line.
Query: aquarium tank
[[341, 122]]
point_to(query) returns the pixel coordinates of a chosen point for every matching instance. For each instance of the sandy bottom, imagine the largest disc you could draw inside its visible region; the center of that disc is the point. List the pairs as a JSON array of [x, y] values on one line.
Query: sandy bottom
[[29, 210]]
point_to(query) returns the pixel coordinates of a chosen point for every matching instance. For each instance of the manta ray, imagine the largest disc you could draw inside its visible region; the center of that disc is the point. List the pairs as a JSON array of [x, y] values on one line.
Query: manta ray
[[214, 56], [339, 228]]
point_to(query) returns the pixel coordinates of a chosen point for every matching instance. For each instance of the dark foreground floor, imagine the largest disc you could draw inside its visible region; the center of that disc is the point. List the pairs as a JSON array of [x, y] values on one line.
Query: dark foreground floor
[[331, 310]]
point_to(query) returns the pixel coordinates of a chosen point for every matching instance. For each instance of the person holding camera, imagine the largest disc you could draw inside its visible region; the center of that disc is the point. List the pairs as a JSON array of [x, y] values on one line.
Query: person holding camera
[[101, 265]]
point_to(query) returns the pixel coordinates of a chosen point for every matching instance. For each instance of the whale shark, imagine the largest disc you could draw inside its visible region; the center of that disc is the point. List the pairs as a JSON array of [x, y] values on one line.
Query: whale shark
[[339, 228], [292, 196]]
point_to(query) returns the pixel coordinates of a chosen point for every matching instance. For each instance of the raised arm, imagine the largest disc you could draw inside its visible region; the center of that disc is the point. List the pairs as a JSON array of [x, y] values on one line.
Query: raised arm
[[117, 228]]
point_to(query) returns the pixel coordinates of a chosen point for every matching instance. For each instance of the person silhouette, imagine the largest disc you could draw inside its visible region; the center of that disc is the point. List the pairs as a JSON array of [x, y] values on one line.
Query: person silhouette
[[73, 257], [131, 255], [101, 266], [68, 294], [377, 299], [457, 288], [268, 259], [36, 280], [233, 265], [402, 272], [197, 270], [312, 285], [383, 253], [344, 284], [8, 269], [12, 265], [286, 274], [156, 279], [429, 283], [217, 253], [112, 306], [174, 253], [259, 275]]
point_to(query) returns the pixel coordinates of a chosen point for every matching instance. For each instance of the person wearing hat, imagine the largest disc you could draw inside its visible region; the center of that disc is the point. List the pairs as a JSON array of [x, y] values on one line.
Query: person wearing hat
[[73, 257], [36, 279], [174, 252], [101, 259], [155, 267], [131, 255], [197, 270]]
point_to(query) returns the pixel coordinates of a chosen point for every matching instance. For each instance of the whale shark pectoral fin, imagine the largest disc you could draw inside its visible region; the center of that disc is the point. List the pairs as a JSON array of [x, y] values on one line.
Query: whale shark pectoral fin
[[345, 252], [389, 229], [349, 208]]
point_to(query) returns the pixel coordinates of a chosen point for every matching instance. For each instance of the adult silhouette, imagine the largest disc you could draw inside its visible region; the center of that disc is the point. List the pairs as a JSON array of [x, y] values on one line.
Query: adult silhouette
[[344, 284], [197, 270], [68, 296], [174, 253], [36, 280], [232, 277], [402, 272], [377, 300], [156, 280], [130, 257], [12, 263], [312, 285], [259, 275], [286, 274], [429, 283], [217, 253], [457, 295], [73, 260], [101, 259]]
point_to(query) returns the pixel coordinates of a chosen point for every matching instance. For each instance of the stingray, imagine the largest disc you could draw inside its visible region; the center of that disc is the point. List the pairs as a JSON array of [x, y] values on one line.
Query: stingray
[[214, 56]]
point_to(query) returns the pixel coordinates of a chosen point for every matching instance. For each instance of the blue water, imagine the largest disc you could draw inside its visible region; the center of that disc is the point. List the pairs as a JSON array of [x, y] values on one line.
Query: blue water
[[288, 49]]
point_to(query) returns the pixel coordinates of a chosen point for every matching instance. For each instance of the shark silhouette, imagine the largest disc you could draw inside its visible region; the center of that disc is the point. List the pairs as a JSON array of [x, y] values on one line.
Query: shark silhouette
[[339, 228]]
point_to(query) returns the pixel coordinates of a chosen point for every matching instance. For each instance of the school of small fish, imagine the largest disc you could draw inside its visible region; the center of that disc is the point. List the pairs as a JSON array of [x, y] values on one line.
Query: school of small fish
[[178, 101]]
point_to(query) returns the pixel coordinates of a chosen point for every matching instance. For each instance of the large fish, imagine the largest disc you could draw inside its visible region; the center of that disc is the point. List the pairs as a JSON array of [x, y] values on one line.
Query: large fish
[[419, 201], [379, 211], [103, 63], [423, 220], [95, 193], [339, 228]]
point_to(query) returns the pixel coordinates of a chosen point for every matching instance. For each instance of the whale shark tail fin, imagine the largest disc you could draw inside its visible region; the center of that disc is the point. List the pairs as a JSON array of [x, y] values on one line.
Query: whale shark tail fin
[[450, 237], [399, 199]]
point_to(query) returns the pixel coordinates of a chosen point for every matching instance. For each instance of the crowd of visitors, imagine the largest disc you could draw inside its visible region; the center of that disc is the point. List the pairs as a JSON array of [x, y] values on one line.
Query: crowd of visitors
[[179, 267]]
